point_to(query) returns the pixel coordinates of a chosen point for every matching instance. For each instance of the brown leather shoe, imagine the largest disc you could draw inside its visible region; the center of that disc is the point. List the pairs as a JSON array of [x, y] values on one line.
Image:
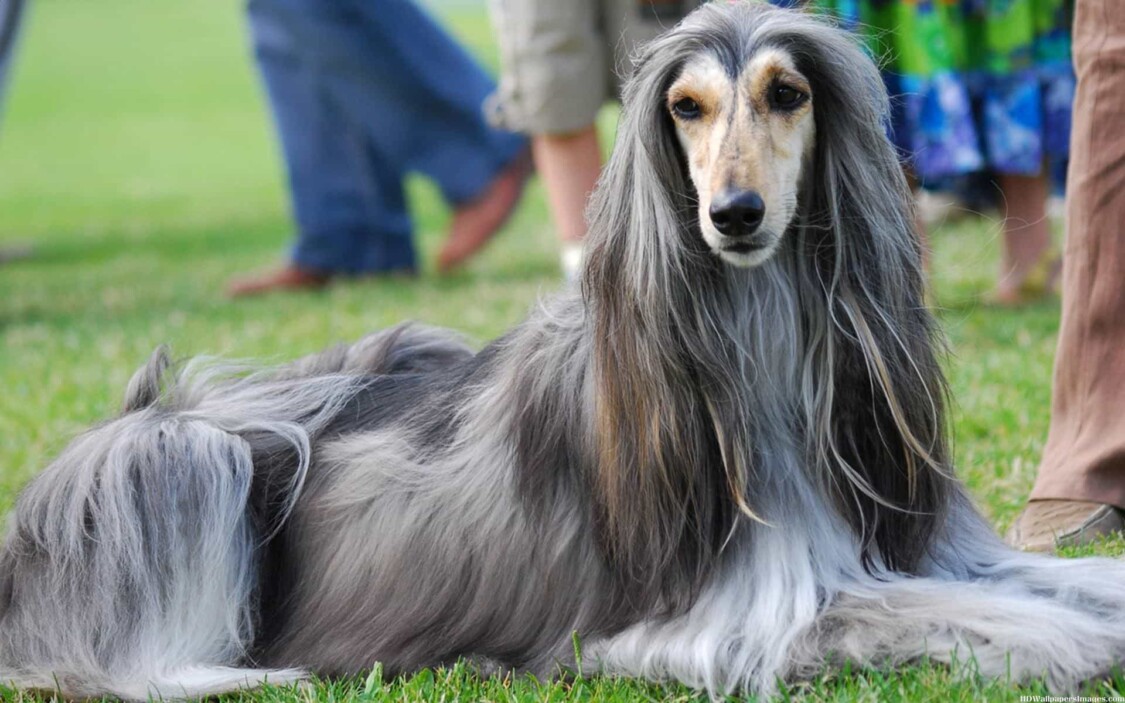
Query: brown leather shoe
[[1045, 525], [287, 278], [476, 222]]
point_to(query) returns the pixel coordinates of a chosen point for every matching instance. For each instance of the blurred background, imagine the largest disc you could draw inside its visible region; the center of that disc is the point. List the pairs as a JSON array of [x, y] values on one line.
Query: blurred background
[[139, 162]]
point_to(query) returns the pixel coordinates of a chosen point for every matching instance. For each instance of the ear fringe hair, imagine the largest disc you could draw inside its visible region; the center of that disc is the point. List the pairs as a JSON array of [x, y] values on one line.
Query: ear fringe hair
[[881, 423], [668, 470], [671, 472]]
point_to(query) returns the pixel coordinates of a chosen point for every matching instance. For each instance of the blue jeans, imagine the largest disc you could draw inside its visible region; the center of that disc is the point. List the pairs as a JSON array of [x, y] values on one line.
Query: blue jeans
[[11, 12], [363, 92]]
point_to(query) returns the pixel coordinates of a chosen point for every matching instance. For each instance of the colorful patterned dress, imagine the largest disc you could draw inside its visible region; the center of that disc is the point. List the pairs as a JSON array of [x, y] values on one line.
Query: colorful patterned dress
[[977, 85]]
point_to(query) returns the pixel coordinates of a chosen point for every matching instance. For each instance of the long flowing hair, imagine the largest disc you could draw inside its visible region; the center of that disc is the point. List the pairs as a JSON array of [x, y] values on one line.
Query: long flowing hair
[[678, 335]]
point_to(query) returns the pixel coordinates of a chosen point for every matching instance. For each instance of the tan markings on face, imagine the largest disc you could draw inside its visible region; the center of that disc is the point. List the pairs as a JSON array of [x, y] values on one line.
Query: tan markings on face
[[743, 139]]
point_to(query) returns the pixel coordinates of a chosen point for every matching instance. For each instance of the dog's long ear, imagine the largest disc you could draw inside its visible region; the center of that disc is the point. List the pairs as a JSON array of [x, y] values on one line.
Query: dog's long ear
[[878, 428], [659, 502]]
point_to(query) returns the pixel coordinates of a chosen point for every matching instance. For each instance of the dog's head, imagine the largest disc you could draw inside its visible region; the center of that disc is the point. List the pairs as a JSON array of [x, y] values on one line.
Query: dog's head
[[739, 123], [747, 132]]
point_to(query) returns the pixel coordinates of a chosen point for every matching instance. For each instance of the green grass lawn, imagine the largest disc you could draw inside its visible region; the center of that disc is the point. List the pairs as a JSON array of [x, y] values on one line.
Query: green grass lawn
[[137, 157]]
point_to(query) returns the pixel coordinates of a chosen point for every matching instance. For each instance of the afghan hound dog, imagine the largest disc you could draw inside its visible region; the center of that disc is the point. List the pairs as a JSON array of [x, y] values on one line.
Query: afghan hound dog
[[722, 459]]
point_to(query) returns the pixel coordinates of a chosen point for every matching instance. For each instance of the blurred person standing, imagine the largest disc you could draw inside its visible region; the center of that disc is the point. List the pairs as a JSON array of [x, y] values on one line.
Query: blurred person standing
[[1079, 493], [363, 93], [11, 12], [561, 61], [11, 16], [981, 87]]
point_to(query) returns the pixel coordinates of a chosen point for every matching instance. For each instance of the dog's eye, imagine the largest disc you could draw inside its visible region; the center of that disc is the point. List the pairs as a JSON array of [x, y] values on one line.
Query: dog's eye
[[786, 97], [686, 108]]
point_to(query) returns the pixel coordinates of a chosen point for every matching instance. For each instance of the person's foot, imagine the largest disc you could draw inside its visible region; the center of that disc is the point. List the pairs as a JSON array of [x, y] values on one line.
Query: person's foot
[[287, 278], [1038, 281], [1045, 525], [476, 222]]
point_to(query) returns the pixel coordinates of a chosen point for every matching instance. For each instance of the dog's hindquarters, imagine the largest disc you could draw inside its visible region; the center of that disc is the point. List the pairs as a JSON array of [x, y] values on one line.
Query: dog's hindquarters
[[130, 559], [130, 564]]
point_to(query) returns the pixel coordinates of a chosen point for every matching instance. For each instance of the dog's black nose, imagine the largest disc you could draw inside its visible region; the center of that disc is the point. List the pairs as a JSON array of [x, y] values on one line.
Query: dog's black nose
[[737, 214]]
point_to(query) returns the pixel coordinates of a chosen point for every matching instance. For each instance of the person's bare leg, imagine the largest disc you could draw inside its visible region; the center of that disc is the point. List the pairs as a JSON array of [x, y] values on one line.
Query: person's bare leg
[[1026, 239], [569, 165]]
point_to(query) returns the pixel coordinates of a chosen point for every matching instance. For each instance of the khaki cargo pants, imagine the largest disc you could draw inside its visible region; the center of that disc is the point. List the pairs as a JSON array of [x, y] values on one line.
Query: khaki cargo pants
[[563, 59]]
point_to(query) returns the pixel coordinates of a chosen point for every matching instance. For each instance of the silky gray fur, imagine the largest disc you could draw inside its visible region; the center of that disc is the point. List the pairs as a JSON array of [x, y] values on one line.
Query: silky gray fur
[[727, 477]]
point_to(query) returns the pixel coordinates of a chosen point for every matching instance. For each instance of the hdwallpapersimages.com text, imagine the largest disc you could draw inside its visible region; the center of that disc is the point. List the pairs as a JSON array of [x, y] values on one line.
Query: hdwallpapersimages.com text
[[1071, 699]]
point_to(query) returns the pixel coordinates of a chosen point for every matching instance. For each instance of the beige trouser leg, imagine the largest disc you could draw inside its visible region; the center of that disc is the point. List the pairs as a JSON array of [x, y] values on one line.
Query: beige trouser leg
[[1085, 454]]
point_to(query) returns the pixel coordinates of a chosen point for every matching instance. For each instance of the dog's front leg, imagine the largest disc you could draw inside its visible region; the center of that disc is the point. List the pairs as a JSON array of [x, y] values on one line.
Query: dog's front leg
[[999, 628]]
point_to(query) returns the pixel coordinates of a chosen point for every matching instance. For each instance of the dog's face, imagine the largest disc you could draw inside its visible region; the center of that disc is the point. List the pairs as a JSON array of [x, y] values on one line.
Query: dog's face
[[746, 138]]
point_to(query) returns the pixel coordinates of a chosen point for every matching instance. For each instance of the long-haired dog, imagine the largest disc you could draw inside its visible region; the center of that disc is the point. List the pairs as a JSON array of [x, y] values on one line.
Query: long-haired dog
[[722, 461]]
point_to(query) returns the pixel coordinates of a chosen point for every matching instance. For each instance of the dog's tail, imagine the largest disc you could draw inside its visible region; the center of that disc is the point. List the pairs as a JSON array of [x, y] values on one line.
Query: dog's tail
[[129, 568]]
